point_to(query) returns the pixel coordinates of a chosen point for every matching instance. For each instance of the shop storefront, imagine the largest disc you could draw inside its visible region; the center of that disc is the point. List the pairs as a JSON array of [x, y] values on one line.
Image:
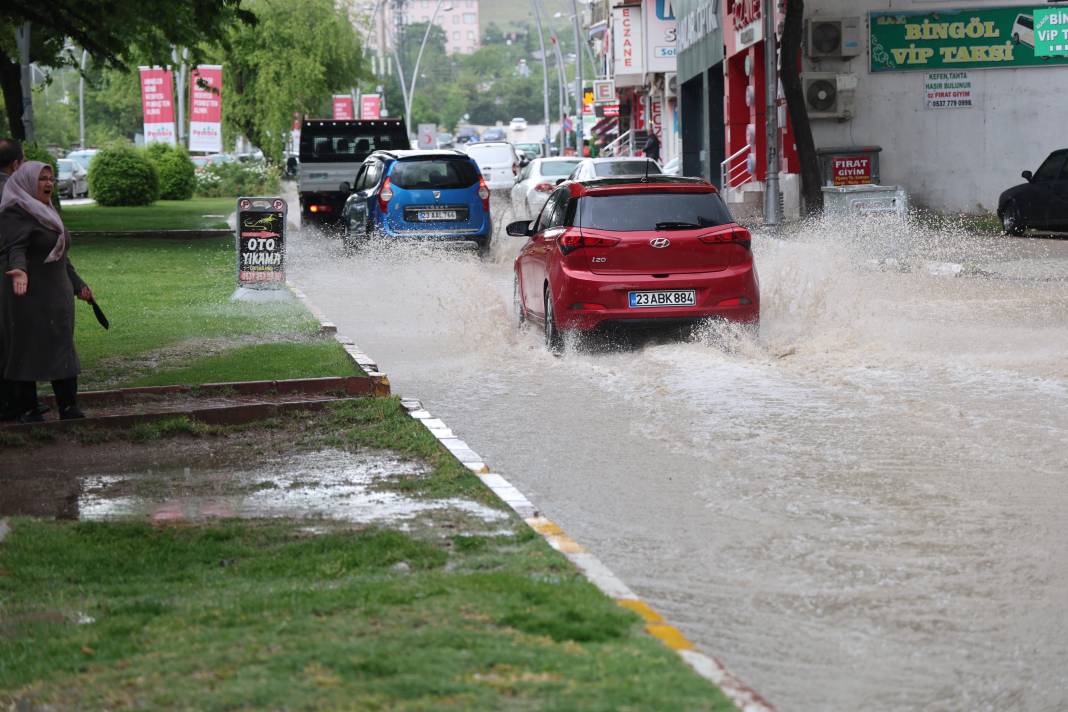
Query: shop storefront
[[700, 89]]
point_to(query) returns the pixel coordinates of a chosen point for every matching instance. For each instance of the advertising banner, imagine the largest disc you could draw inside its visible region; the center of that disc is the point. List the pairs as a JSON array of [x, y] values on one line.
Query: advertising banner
[[948, 90], [427, 136], [659, 22], [1051, 32], [205, 109], [342, 106], [261, 242], [157, 105], [371, 106], [981, 38], [627, 55]]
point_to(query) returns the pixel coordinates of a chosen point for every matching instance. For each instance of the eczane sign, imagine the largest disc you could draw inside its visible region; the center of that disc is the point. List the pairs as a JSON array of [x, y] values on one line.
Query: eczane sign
[[627, 55]]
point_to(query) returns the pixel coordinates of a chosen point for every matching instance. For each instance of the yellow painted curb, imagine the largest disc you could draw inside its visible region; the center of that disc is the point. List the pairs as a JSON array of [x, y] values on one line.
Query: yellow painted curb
[[670, 636], [642, 609]]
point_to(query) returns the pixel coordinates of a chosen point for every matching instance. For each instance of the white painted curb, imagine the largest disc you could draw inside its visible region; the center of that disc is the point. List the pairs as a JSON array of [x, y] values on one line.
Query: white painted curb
[[744, 697]]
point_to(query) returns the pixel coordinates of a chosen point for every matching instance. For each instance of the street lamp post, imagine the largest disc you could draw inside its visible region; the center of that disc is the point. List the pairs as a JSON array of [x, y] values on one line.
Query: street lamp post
[[578, 81], [545, 79], [81, 100], [419, 58]]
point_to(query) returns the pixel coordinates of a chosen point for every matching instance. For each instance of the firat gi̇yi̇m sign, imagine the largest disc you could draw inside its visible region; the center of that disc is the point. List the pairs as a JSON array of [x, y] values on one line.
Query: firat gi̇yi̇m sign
[[261, 240], [851, 170]]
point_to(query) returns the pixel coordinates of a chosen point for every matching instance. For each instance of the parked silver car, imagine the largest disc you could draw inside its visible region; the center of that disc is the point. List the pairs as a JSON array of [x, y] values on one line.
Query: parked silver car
[[536, 181], [73, 180], [591, 168]]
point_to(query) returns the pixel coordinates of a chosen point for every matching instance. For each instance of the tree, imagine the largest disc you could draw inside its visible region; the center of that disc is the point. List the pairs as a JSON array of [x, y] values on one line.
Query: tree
[[298, 54], [793, 89], [110, 30]]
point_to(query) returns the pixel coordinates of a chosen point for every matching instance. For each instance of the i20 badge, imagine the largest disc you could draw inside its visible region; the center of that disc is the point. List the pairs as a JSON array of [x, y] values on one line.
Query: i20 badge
[[659, 242]]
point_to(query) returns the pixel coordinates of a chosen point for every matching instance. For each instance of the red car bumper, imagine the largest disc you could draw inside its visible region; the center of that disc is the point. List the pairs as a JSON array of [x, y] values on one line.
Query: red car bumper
[[583, 300]]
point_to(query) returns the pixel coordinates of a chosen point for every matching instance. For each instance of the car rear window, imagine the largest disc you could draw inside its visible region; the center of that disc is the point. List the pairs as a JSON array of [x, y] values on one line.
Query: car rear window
[[643, 211], [625, 168], [436, 173], [491, 154], [558, 168]]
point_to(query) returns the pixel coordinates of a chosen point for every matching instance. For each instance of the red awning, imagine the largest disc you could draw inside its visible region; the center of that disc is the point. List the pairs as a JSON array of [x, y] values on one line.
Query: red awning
[[606, 126]]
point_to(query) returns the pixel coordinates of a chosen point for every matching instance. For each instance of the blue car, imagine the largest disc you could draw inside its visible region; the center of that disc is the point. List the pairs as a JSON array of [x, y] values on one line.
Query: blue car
[[419, 195]]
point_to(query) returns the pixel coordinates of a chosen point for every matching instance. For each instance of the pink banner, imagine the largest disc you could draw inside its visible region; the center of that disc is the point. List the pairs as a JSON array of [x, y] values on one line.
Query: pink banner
[[157, 104], [205, 109], [342, 106], [371, 106]]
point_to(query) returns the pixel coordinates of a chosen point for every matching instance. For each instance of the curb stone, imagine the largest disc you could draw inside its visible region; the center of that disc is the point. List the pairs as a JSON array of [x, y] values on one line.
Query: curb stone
[[744, 697]]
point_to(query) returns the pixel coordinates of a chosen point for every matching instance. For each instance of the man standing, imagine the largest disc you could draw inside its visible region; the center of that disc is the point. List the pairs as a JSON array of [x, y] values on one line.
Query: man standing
[[11, 157], [652, 147]]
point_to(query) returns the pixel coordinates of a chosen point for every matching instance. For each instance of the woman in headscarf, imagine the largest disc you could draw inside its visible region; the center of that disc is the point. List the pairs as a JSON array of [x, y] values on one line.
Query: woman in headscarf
[[37, 294]]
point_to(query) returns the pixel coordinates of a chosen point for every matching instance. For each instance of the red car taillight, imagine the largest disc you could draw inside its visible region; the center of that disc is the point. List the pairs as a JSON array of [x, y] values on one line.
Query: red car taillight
[[544, 187], [571, 241], [736, 235], [385, 195], [483, 192]]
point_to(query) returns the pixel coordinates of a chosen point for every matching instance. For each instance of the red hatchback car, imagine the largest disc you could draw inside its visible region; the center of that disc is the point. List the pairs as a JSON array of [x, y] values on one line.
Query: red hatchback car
[[633, 252]]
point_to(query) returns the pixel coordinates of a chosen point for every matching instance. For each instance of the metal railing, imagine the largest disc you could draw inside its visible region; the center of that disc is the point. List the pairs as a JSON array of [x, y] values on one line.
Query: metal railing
[[734, 171], [624, 141]]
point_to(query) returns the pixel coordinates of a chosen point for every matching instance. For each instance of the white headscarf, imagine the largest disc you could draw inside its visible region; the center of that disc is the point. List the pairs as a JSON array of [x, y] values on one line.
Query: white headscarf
[[21, 190]]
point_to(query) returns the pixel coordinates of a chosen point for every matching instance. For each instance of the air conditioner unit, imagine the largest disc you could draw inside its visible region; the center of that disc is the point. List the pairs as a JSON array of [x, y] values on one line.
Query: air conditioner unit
[[671, 86], [829, 95], [832, 37]]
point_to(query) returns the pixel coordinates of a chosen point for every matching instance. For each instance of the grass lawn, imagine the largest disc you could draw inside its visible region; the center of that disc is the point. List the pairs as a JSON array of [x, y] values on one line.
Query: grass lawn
[[198, 213], [172, 320], [284, 614]]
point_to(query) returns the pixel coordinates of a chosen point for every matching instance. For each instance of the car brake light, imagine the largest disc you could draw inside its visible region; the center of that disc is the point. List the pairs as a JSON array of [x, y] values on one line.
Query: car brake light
[[483, 193], [544, 187], [736, 302], [321, 209], [385, 195], [738, 236], [515, 169], [571, 241]]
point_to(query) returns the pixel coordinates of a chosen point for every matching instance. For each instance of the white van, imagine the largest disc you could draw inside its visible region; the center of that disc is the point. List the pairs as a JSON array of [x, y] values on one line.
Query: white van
[[498, 162], [1023, 30]]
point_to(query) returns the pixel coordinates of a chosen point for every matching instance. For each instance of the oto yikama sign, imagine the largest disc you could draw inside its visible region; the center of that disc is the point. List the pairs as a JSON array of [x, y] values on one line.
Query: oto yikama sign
[[851, 170], [948, 90], [957, 40], [261, 242]]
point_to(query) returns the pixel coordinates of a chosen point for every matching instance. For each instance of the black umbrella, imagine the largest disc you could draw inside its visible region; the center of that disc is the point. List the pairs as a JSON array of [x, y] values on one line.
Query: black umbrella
[[99, 314]]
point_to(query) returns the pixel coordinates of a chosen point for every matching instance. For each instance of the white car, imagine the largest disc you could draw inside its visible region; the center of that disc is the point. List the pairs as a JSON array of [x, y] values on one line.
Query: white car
[[498, 162], [534, 183], [590, 168], [518, 124], [83, 157], [673, 167]]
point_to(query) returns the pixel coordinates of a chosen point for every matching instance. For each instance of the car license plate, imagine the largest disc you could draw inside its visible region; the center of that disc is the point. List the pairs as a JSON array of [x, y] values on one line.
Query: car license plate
[[673, 298], [436, 215]]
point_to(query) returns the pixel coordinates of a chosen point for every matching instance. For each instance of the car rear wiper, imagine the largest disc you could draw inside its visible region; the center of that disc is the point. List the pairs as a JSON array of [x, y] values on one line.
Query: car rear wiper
[[675, 225]]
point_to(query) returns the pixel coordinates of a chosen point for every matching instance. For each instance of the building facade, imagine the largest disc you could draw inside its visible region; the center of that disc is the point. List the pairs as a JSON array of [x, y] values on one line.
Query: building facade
[[945, 98]]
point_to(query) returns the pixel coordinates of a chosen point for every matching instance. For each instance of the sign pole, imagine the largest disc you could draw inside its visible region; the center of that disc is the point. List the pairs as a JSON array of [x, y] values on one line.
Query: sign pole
[[771, 117]]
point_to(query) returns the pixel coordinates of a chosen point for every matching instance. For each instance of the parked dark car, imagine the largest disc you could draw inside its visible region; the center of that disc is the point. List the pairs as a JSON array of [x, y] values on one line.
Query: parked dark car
[[467, 134], [1041, 202], [494, 134]]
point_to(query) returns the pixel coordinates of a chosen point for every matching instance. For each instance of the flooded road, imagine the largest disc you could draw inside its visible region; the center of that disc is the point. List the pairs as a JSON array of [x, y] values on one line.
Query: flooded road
[[865, 506]]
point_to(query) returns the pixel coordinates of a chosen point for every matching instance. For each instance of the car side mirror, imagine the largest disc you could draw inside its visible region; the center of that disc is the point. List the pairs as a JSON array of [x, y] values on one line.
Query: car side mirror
[[345, 188], [520, 228], [559, 181], [1027, 176], [524, 162]]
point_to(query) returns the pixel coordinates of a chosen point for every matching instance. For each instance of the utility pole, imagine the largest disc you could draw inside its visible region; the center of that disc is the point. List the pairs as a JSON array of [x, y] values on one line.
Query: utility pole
[[81, 100], [562, 85], [544, 78], [182, 70], [22, 39], [772, 214], [578, 80]]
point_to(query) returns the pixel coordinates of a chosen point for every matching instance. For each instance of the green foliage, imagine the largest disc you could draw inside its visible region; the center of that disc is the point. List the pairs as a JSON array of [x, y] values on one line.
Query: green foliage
[[123, 175], [226, 180], [36, 152], [299, 53], [177, 174]]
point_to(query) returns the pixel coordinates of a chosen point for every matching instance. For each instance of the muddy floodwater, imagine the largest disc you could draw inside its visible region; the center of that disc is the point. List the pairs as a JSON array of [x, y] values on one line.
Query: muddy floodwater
[[862, 506]]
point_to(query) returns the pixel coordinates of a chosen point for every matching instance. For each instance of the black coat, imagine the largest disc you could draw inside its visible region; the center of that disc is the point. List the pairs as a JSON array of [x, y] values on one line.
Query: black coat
[[38, 327]]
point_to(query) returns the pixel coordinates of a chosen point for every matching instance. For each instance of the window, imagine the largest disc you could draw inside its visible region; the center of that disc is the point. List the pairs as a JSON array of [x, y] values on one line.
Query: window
[[470, 18], [644, 211], [557, 169], [1051, 167], [434, 173], [625, 168], [471, 35], [456, 36], [456, 19]]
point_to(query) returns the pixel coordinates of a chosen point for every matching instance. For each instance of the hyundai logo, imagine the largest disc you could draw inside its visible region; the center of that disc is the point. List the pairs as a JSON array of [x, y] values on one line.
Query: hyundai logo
[[659, 242], [437, 195]]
